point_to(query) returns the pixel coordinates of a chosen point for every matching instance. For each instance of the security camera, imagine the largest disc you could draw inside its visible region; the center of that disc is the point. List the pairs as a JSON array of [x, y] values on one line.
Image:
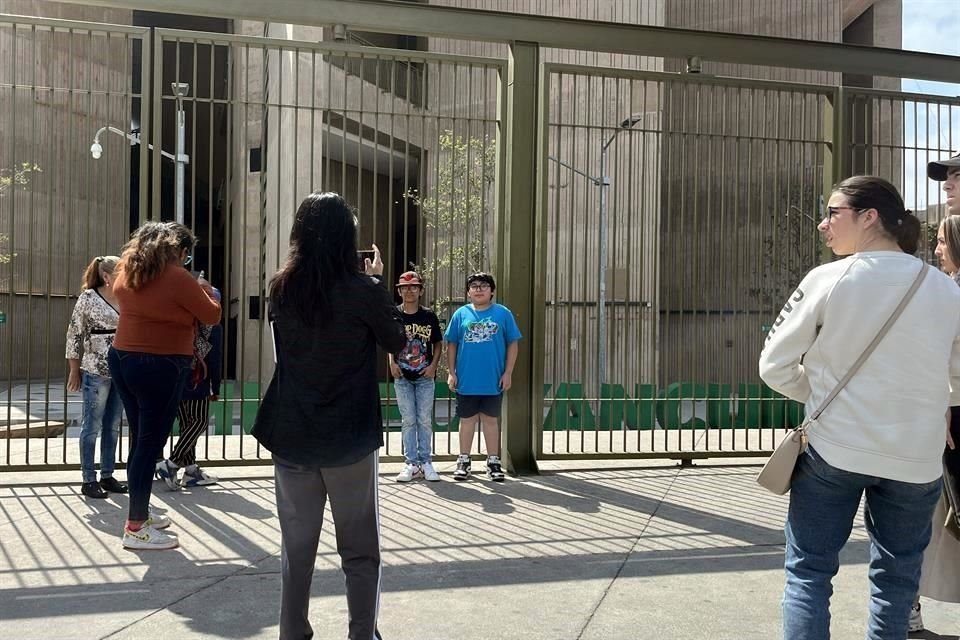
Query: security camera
[[96, 150]]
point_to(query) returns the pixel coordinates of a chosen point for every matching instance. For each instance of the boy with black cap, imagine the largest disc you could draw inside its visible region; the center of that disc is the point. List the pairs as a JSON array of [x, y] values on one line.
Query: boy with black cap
[[948, 172], [482, 345], [414, 370], [940, 579]]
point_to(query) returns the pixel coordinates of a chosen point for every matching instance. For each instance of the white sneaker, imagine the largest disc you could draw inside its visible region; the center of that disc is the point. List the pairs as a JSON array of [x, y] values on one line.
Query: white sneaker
[[167, 471], [916, 620], [148, 538], [410, 471], [194, 476], [430, 474], [157, 521]]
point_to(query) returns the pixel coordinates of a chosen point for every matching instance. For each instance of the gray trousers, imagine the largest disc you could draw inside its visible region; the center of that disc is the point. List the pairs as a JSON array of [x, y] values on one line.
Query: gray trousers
[[301, 496]]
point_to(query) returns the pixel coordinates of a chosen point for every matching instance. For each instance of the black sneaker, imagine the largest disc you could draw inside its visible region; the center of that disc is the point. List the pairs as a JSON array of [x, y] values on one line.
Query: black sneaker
[[112, 485], [462, 472], [494, 470], [92, 490]]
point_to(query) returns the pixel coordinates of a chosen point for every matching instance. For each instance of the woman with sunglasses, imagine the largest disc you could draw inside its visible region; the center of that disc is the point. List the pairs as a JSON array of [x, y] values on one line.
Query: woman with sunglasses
[[882, 437], [160, 306]]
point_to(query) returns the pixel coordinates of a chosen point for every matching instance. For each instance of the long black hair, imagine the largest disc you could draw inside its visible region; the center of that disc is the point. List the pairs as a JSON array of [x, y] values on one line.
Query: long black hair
[[323, 251]]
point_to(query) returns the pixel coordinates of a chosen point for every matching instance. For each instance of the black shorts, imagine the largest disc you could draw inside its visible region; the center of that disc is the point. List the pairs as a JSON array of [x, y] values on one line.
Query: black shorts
[[469, 406]]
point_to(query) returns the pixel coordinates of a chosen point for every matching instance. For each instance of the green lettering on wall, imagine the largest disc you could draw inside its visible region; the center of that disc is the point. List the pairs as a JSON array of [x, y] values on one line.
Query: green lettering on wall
[[569, 409]]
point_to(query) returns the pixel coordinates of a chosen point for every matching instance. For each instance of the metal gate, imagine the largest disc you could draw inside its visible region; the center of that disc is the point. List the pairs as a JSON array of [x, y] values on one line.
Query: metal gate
[[60, 82], [409, 137], [680, 212]]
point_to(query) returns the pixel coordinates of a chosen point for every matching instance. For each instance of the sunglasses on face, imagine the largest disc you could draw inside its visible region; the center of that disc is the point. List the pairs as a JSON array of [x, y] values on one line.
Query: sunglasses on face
[[832, 211]]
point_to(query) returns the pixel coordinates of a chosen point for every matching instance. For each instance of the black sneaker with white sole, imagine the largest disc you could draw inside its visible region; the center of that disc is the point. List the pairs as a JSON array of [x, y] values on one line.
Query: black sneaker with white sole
[[494, 470], [462, 472]]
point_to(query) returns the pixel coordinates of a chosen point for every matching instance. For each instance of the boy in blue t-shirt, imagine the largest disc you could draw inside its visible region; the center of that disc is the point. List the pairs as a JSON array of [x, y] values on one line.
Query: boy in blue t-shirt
[[482, 345]]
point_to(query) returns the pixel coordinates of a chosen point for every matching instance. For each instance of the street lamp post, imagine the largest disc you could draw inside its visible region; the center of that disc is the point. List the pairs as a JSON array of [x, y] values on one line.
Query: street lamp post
[[181, 159], [604, 183], [181, 90]]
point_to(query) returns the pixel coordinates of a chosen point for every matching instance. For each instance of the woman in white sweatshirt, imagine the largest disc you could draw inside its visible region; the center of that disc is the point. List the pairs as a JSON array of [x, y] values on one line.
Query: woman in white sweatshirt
[[883, 435]]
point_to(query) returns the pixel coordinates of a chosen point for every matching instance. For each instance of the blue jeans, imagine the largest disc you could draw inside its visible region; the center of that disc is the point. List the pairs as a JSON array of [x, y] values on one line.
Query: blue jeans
[[150, 386], [823, 505], [101, 416], [415, 401]]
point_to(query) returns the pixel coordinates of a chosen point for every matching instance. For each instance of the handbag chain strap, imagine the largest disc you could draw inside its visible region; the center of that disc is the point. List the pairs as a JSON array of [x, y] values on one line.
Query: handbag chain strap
[[870, 347]]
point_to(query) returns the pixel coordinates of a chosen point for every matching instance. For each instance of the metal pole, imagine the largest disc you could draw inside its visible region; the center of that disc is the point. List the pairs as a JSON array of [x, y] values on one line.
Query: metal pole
[[602, 273], [181, 144], [180, 90]]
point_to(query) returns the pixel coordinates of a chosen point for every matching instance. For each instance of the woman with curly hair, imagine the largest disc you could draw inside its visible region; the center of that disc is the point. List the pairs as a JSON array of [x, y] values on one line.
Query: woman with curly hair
[[160, 305]]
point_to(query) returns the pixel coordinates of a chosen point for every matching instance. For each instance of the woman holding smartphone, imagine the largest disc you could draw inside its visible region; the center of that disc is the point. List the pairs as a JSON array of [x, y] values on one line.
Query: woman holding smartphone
[[320, 416]]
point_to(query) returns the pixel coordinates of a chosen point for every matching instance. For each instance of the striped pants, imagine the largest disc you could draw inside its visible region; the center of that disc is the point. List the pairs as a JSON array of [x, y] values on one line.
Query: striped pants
[[194, 418]]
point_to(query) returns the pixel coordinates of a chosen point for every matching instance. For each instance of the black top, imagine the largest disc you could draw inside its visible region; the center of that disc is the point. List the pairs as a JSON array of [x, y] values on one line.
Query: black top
[[322, 407], [423, 331]]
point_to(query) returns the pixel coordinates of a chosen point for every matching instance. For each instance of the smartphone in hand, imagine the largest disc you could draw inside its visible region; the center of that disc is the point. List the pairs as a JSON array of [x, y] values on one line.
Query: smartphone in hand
[[362, 256]]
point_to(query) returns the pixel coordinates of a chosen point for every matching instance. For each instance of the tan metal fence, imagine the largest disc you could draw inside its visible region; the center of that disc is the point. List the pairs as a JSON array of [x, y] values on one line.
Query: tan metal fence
[[410, 138], [60, 81], [679, 210]]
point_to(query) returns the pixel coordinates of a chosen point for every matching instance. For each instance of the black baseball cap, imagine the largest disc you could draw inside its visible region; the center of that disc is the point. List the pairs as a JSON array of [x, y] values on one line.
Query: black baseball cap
[[938, 170]]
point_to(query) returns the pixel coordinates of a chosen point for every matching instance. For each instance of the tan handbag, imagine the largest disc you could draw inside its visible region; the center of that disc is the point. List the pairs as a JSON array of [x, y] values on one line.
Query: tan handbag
[[777, 474]]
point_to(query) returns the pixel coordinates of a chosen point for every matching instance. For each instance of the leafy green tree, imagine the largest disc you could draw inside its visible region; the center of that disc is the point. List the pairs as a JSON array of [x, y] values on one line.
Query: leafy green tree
[[457, 214], [458, 211], [17, 177]]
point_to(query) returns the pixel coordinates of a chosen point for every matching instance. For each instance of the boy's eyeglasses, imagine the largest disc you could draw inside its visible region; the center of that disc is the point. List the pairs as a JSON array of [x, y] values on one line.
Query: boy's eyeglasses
[[479, 286]]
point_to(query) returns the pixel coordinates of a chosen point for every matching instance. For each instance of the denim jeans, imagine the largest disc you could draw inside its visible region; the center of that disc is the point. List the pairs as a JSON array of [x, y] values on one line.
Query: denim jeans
[[415, 401], [101, 416], [823, 505], [150, 386]]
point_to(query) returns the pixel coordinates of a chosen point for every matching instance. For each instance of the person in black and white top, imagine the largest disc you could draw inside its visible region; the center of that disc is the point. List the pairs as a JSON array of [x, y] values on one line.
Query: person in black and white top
[[883, 435], [89, 336], [194, 410]]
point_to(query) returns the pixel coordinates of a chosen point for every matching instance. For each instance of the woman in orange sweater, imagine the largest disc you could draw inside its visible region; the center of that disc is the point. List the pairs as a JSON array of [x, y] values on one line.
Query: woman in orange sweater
[[160, 306]]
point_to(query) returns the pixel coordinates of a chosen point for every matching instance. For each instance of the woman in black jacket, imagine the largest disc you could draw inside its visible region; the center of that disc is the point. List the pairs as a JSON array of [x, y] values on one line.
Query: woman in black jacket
[[320, 416]]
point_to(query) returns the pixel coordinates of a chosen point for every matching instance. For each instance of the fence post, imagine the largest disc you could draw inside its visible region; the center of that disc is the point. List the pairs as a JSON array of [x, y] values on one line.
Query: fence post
[[517, 232]]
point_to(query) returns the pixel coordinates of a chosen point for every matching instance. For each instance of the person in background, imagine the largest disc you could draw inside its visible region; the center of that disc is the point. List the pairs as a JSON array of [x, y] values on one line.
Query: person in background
[[89, 336], [414, 371], [160, 306], [320, 415], [201, 389], [940, 576]]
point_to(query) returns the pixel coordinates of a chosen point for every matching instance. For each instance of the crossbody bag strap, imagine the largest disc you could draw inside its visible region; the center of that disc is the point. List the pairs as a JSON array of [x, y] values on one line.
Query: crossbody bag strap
[[873, 344]]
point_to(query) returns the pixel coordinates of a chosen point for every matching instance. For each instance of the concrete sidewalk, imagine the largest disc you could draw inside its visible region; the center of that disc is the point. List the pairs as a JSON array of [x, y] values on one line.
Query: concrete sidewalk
[[659, 552]]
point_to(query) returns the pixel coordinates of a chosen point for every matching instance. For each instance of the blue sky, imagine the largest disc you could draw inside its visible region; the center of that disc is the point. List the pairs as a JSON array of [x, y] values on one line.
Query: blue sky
[[934, 26]]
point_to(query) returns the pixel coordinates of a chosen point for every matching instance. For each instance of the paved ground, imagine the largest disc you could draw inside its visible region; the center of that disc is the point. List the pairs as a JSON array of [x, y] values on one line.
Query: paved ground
[[659, 552]]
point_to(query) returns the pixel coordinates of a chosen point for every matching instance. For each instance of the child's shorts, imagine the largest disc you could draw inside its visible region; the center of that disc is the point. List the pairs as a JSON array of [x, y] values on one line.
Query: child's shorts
[[469, 406]]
